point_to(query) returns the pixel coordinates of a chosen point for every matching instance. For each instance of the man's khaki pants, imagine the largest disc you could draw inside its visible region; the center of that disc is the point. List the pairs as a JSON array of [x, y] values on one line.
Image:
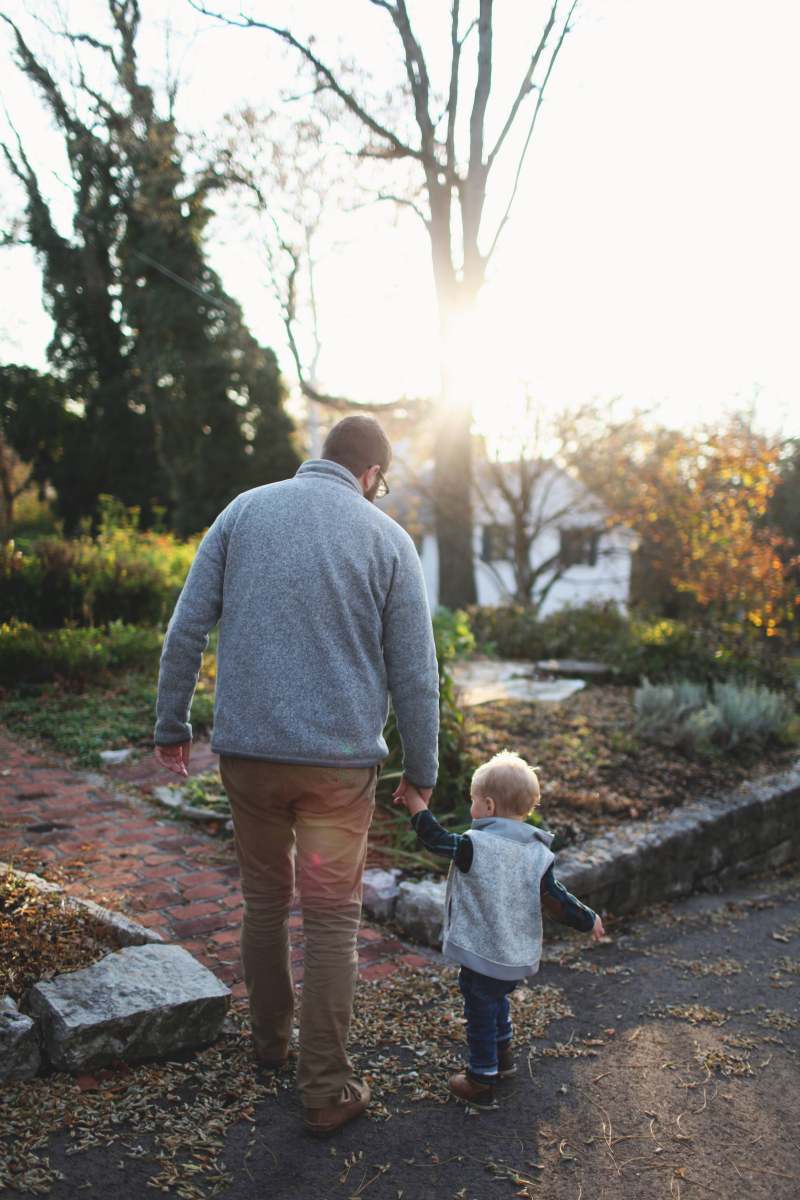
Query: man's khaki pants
[[318, 818]]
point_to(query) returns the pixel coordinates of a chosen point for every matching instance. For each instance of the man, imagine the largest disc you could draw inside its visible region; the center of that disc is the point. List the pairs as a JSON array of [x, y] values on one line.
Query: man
[[322, 610]]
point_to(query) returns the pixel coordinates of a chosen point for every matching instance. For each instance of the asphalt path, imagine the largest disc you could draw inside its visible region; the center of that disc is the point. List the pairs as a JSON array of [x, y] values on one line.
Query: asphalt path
[[677, 1076]]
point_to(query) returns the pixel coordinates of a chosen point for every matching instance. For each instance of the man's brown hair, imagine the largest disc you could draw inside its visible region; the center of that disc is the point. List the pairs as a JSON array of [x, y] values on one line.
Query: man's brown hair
[[358, 443]]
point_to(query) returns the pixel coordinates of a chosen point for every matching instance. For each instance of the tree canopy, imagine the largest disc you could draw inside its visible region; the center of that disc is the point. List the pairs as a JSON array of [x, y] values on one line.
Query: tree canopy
[[177, 407]]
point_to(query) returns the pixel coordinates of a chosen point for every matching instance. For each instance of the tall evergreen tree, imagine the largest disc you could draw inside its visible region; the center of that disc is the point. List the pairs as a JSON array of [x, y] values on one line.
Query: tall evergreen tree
[[181, 407]]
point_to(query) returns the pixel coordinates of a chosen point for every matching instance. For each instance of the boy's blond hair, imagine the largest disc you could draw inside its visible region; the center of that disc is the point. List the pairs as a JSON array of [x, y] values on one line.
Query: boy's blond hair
[[510, 782]]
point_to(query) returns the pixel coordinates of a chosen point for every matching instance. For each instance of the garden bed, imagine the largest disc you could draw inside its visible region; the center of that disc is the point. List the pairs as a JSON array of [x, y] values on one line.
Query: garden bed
[[595, 771]]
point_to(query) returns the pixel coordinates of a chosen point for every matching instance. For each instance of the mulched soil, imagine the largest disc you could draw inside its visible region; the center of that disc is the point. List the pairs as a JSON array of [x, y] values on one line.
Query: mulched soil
[[594, 770], [41, 935], [408, 1034], [660, 1063]]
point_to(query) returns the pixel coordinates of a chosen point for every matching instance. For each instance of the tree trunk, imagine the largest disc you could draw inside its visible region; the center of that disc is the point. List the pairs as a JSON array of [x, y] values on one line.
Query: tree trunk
[[453, 503], [452, 475]]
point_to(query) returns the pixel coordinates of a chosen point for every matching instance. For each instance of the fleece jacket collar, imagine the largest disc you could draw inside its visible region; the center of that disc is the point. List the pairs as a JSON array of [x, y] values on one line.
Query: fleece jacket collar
[[515, 831], [325, 469]]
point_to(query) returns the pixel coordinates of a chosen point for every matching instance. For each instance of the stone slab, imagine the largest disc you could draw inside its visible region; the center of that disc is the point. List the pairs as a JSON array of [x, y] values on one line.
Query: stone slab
[[114, 758], [574, 666], [138, 1003], [381, 892], [20, 1054], [420, 910], [485, 680]]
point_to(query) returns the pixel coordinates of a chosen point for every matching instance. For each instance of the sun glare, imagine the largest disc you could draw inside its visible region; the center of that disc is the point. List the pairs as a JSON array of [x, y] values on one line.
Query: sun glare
[[484, 372]]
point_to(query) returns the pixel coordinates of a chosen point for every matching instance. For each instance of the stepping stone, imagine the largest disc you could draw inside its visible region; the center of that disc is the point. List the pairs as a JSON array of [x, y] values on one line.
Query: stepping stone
[[20, 1056], [113, 758], [574, 666], [381, 892], [420, 910], [482, 681], [137, 1003]]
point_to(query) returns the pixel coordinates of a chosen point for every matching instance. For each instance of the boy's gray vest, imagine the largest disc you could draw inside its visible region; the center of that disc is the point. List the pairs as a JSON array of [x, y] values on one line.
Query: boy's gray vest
[[493, 912]]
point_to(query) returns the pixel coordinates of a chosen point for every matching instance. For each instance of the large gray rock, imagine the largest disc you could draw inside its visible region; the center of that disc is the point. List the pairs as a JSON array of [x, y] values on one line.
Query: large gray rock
[[381, 892], [420, 910], [140, 1002], [20, 1056]]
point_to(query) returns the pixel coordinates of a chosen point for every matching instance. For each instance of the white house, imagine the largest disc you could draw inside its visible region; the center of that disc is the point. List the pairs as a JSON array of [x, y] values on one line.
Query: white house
[[588, 560]]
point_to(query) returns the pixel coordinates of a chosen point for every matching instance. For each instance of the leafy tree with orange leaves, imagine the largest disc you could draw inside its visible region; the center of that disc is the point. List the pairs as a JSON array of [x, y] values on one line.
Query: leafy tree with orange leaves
[[699, 502]]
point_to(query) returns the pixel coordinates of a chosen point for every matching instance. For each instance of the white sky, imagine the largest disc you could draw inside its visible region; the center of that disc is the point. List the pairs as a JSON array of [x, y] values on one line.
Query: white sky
[[653, 252]]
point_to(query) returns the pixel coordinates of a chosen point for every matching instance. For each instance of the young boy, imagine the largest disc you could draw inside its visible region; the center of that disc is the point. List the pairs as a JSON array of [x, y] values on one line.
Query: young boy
[[500, 879]]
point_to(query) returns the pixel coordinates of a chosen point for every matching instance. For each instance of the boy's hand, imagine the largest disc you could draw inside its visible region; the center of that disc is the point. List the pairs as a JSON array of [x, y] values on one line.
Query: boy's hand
[[413, 798], [597, 930]]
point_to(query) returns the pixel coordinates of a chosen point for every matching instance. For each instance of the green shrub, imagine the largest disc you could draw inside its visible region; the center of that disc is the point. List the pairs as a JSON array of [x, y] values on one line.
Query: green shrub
[[515, 631], [509, 631], [700, 721], [660, 705], [453, 638], [658, 649], [751, 714], [32, 656], [121, 574]]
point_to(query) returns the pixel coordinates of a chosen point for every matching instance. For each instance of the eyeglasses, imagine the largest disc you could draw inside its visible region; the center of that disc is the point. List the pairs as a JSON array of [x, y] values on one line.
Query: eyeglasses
[[383, 487]]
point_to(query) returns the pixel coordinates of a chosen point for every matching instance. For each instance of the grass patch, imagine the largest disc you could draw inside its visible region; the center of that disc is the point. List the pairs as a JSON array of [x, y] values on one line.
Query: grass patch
[[81, 724]]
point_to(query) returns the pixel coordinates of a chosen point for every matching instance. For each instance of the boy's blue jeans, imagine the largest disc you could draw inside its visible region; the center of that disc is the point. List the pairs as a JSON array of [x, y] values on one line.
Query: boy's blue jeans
[[487, 1011]]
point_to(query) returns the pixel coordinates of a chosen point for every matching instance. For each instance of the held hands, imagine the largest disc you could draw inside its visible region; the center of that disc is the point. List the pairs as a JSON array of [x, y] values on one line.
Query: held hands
[[174, 758], [414, 799]]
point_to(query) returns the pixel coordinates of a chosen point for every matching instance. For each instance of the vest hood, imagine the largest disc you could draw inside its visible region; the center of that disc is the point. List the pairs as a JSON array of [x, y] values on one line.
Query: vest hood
[[515, 831]]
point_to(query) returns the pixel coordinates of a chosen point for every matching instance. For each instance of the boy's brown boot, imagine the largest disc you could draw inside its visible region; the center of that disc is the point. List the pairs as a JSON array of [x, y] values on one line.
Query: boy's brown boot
[[354, 1099], [468, 1088], [505, 1062]]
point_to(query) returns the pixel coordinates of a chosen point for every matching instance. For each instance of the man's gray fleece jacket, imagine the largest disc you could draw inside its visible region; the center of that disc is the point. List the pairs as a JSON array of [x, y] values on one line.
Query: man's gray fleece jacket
[[322, 614]]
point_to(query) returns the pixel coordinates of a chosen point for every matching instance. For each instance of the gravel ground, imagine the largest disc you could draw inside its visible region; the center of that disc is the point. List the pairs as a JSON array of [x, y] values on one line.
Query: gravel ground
[[677, 1076]]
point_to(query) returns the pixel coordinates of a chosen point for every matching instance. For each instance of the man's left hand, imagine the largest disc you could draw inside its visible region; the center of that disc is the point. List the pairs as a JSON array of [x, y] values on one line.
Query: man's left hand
[[174, 758]]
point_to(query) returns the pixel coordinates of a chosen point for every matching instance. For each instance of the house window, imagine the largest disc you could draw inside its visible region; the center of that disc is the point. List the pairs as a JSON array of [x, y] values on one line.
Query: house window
[[578, 547], [498, 543]]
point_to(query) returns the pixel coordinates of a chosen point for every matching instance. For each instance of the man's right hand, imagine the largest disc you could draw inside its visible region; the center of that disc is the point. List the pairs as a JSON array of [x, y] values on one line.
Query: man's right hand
[[413, 798], [174, 758]]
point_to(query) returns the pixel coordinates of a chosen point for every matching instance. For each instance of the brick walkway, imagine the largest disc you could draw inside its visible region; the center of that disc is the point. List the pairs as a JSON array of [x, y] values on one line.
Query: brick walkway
[[116, 848]]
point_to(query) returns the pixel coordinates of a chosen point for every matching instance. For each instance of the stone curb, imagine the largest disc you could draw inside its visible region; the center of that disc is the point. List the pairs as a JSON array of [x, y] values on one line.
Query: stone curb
[[127, 932], [704, 844]]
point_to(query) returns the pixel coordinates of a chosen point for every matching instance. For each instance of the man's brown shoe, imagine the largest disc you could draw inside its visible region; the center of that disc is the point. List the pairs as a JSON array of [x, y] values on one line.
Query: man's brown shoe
[[320, 1122], [466, 1087]]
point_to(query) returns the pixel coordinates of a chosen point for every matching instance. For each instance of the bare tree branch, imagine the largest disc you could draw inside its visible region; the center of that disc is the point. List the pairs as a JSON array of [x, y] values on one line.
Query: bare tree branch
[[482, 88], [525, 87], [402, 201], [398, 147], [287, 302], [531, 128], [452, 95]]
